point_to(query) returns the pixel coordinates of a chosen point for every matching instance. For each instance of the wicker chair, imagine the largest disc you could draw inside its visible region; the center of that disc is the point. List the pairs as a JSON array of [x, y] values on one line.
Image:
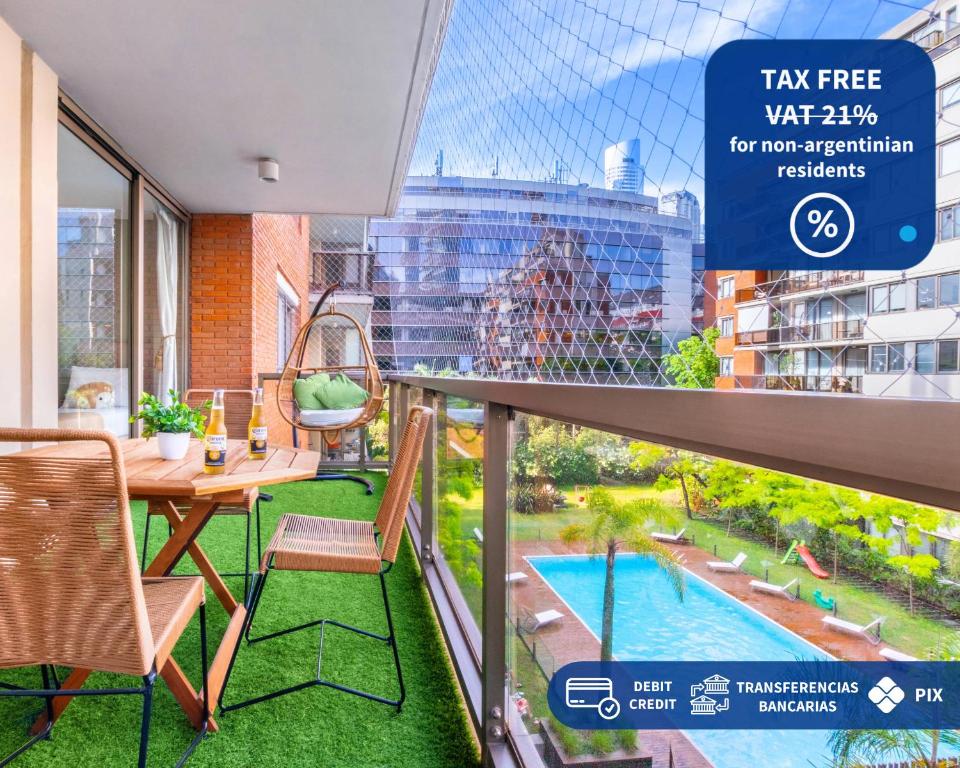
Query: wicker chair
[[308, 543], [70, 592], [238, 404]]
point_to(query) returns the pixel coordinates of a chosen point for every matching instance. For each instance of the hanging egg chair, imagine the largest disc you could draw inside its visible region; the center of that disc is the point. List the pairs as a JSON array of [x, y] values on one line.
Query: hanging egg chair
[[330, 381]]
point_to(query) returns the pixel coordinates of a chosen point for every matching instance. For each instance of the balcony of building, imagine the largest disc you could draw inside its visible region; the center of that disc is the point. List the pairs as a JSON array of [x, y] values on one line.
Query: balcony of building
[[787, 284], [200, 274], [810, 333]]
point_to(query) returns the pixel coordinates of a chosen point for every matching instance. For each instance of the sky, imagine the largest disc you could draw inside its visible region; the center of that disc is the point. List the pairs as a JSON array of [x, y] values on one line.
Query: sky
[[524, 84]]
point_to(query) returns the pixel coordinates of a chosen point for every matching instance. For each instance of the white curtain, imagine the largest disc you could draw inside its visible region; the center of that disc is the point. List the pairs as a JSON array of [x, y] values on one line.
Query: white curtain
[[168, 260]]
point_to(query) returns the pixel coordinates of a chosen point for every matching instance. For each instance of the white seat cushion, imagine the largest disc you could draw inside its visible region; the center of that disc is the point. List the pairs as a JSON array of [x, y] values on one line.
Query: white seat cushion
[[329, 418]]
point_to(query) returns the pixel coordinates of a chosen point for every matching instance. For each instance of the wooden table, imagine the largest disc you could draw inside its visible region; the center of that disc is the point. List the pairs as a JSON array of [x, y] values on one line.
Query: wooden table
[[168, 483]]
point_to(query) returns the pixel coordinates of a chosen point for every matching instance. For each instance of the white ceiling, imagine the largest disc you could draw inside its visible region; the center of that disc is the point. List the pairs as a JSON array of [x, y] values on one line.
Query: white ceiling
[[196, 91]]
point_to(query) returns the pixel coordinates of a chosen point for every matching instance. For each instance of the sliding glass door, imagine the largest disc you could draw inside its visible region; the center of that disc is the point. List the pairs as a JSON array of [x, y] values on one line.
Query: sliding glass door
[[94, 289], [164, 364]]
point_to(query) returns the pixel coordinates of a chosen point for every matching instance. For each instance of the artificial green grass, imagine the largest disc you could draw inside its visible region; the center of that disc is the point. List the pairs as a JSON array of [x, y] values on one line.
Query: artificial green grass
[[316, 727]]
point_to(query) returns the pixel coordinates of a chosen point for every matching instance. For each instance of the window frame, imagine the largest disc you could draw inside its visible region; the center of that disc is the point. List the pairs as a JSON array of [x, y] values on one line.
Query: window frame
[[73, 118], [954, 143], [721, 321]]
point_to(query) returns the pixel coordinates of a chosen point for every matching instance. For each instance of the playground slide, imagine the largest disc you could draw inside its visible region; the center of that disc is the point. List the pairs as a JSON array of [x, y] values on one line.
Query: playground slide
[[811, 563]]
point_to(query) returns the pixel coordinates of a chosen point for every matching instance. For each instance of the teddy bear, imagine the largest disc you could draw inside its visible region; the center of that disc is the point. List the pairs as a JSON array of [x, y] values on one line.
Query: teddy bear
[[95, 394]]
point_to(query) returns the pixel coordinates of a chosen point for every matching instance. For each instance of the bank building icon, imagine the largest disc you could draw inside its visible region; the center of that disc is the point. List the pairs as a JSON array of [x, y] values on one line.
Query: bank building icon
[[706, 696]]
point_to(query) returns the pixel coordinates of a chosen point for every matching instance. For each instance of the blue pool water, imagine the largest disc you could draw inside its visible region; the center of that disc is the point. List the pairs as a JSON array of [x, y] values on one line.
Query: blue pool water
[[651, 624]]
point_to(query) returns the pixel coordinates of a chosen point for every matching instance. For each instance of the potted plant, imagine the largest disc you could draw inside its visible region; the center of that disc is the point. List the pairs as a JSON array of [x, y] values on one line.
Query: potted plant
[[173, 424]]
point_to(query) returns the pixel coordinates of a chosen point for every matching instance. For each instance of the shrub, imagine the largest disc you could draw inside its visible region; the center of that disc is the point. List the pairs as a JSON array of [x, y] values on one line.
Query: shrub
[[569, 739], [628, 740], [601, 743]]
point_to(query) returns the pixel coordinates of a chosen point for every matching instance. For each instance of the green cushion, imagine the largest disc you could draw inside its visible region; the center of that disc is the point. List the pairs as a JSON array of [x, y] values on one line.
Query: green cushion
[[340, 393], [306, 391]]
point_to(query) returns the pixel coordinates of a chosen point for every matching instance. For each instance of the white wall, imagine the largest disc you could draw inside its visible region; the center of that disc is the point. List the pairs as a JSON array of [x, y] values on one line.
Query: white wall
[[28, 235]]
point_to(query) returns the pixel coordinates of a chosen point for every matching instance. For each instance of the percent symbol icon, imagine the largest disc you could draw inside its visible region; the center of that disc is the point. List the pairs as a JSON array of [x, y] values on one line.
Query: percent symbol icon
[[822, 224], [865, 114], [820, 218]]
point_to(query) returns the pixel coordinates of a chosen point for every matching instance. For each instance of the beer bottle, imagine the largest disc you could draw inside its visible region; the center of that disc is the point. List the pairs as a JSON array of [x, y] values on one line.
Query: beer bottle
[[215, 438], [257, 428]]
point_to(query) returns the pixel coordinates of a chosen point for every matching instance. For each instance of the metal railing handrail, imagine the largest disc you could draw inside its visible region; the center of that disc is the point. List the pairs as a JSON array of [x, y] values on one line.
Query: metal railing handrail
[[899, 447]]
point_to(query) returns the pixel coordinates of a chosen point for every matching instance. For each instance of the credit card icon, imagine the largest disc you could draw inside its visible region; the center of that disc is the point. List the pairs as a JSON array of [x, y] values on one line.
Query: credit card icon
[[588, 692]]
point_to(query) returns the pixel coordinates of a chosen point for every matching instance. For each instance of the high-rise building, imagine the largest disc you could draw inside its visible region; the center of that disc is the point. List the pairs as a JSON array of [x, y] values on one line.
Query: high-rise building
[[531, 278], [879, 333], [622, 169]]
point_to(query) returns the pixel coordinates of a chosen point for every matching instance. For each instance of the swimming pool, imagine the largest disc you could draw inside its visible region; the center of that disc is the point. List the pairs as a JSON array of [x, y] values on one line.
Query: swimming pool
[[651, 624]]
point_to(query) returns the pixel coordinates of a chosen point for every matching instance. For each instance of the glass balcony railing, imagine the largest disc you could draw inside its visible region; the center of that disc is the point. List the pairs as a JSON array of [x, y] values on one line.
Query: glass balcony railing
[[840, 330], [516, 477], [802, 382], [810, 281]]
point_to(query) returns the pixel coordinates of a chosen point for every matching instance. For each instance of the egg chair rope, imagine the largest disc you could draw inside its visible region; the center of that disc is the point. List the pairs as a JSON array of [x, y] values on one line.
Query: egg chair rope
[[330, 381]]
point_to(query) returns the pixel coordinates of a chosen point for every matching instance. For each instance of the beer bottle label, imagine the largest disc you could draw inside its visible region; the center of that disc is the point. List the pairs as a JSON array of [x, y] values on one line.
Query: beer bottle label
[[215, 450], [258, 440]]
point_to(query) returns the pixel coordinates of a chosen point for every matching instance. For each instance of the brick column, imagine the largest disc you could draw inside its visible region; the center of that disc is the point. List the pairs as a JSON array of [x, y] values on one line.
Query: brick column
[[234, 263]]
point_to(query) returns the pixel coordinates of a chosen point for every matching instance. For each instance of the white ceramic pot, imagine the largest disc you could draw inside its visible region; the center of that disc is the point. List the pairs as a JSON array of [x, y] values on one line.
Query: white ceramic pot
[[173, 445]]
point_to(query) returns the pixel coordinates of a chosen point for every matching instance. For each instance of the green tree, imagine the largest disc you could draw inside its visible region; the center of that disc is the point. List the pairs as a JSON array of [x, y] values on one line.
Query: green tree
[[695, 364], [616, 526], [908, 522], [856, 748], [674, 467]]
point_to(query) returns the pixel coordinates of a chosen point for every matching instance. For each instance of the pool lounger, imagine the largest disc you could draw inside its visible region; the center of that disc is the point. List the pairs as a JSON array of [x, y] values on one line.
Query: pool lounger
[[895, 655], [671, 538], [863, 631], [516, 577], [773, 589], [533, 622], [725, 567]]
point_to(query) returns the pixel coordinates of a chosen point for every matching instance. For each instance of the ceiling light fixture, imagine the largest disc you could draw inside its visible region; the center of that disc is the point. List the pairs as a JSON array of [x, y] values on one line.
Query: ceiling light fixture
[[269, 170]]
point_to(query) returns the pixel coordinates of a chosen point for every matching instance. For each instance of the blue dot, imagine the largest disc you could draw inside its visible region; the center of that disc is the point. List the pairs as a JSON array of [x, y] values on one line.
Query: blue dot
[[908, 233]]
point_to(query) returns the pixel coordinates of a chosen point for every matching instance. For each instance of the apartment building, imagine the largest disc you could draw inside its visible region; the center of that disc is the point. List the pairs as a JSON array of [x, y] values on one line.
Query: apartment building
[[874, 332], [521, 277]]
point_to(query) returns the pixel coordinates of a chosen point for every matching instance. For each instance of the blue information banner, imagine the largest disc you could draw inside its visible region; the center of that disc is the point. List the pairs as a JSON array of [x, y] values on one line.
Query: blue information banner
[[820, 154], [757, 695]]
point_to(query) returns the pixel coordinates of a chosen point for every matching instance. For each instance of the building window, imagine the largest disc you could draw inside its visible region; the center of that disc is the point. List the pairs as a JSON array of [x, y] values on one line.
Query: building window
[[948, 222], [725, 287], [726, 325], [926, 292], [947, 356], [888, 298], [288, 314], [950, 289], [95, 286], [726, 366], [887, 358], [924, 361], [950, 157], [950, 95]]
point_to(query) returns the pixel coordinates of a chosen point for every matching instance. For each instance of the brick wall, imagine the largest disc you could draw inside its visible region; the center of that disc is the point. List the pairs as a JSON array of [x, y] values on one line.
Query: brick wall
[[280, 244], [221, 294], [234, 262]]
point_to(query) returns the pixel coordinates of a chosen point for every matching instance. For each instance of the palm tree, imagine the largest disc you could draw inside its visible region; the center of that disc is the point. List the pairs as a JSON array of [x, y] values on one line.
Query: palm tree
[[855, 748], [615, 527]]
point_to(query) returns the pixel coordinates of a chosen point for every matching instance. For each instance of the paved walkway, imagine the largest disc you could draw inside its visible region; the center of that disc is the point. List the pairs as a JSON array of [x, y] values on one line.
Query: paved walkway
[[570, 640]]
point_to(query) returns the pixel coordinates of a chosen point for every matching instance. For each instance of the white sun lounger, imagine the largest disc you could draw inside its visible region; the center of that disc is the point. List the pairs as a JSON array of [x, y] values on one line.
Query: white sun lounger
[[727, 567], [515, 577], [478, 535], [533, 622], [863, 630], [774, 589], [672, 538], [895, 655]]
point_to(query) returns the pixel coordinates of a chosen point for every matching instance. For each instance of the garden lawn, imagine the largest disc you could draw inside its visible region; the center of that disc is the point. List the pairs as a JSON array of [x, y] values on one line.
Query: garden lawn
[[316, 727], [914, 634]]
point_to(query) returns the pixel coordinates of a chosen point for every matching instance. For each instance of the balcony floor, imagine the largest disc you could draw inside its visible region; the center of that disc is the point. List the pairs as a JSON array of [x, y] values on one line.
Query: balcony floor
[[315, 727]]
